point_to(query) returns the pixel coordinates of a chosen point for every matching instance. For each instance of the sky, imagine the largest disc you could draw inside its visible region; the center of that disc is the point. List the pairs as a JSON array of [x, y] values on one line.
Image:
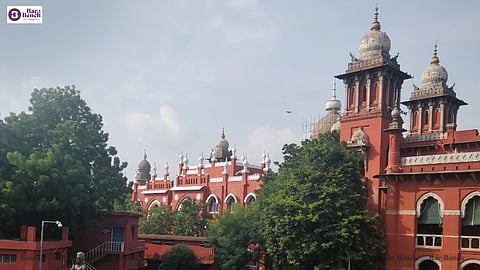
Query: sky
[[168, 75]]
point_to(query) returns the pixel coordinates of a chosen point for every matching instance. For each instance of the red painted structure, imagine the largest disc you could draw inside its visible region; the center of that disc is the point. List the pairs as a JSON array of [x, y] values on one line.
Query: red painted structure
[[221, 181], [23, 253], [424, 183], [112, 242], [157, 245]]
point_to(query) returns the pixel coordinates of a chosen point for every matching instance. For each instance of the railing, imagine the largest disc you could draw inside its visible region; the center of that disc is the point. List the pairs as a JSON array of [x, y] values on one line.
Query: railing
[[429, 240], [103, 249], [89, 266], [470, 242]]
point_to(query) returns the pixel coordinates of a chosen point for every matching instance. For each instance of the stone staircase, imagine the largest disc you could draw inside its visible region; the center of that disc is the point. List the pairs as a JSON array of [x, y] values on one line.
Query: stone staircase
[[102, 250]]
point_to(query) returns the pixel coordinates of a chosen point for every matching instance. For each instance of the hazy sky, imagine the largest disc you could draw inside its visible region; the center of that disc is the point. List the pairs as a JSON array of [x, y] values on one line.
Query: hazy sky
[[167, 76]]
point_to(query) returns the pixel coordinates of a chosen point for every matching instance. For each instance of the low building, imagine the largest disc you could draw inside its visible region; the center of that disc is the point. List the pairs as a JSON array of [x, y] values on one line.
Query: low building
[[111, 242], [24, 253]]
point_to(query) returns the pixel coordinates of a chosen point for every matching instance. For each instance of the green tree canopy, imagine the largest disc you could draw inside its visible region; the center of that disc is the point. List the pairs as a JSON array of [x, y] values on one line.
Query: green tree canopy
[[55, 163], [313, 209], [179, 257], [191, 219], [236, 237]]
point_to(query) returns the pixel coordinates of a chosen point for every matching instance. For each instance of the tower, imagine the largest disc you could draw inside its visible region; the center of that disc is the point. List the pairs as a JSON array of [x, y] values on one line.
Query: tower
[[433, 107], [372, 89]]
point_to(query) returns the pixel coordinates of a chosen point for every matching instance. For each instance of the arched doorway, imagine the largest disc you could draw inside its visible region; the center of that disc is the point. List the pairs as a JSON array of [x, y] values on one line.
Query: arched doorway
[[471, 266], [428, 265]]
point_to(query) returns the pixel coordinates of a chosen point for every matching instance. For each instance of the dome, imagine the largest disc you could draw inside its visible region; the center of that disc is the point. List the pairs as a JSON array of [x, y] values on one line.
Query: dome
[[434, 74], [325, 124], [144, 165], [333, 104], [375, 43], [221, 148], [360, 137]]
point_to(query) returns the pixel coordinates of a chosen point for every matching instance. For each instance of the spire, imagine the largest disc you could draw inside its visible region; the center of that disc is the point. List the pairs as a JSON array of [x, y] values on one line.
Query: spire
[[375, 24], [435, 60], [334, 89], [223, 133], [145, 154]]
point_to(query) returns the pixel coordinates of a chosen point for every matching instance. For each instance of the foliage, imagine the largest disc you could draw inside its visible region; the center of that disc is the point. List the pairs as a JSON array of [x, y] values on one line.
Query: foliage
[[312, 209], [236, 237], [56, 164], [179, 257], [190, 220]]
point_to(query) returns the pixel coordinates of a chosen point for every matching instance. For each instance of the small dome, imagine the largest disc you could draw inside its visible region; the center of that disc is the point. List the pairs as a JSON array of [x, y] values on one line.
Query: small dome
[[336, 126], [144, 165], [221, 149], [395, 112], [333, 104], [434, 74], [375, 43], [360, 137]]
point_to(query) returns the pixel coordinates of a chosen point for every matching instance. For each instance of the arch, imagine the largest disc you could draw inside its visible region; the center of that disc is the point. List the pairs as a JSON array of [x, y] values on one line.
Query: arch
[[465, 202], [230, 201], [212, 203], [427, 263], [154, 204], [230, 195], [426, 196], [249, 198], [471, 264], [181, 201], [425, 118]]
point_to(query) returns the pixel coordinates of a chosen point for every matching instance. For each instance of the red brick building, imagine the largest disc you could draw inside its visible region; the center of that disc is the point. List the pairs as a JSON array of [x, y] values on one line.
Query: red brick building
[[425, 181], [221, 180], [112, 242], [24, 253]]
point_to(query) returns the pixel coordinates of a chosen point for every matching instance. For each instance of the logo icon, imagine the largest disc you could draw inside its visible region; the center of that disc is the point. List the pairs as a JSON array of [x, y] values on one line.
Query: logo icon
[[24, 15], [14, 14]]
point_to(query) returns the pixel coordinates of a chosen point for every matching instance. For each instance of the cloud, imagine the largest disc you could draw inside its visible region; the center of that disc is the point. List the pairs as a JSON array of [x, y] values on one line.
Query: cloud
[[169, 120], [237, 33], [270, 140], [250, 6]]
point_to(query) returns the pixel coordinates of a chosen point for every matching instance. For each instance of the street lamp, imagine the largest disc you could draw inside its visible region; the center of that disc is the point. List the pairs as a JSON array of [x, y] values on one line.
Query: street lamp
[[59, 225]]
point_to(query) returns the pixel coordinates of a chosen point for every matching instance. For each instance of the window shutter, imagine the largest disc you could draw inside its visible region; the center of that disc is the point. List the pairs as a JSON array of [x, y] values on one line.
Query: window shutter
[[472, 212], [430, 212]]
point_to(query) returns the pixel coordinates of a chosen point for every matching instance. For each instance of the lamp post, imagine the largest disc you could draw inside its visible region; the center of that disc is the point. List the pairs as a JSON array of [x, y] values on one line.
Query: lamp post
[[59, 225]]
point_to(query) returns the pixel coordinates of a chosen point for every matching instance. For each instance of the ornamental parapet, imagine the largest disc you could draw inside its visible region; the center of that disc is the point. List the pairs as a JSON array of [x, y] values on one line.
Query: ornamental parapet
[[441, 159], [426, 137]]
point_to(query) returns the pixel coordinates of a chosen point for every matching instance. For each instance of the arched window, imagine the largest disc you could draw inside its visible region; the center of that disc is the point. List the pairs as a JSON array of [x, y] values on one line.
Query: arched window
[[429, 221], [249, 198], [212, 203], [470, 213], [230, 202], [471, 264], [428, 265], [425, 118]]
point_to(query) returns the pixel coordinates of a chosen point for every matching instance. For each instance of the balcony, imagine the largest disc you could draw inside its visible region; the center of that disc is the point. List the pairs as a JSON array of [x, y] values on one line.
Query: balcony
[[470, 242], [429, 240]]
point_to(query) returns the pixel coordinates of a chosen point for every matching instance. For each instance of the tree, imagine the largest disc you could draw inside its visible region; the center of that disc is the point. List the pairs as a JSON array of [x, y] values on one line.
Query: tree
[[179, 257], [160, 220], [313, 213], [236, 237], [191, 219], [56, 162]]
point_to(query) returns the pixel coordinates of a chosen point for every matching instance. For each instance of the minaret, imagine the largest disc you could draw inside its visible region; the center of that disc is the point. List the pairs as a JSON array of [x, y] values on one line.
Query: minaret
[[372, 86], [328, 122], [432, 107]]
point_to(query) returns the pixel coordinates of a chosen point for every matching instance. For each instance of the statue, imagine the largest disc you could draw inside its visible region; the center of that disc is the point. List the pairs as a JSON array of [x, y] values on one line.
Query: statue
[[79, 262]]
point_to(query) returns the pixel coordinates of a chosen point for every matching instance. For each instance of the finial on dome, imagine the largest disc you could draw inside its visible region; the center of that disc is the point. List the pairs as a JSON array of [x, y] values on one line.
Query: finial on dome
[[435, 60], [334, 89], [376, 24], [223, 133], [145, 154]]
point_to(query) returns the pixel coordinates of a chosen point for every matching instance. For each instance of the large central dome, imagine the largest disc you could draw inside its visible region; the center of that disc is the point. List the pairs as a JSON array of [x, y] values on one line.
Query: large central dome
[[375, 43]]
